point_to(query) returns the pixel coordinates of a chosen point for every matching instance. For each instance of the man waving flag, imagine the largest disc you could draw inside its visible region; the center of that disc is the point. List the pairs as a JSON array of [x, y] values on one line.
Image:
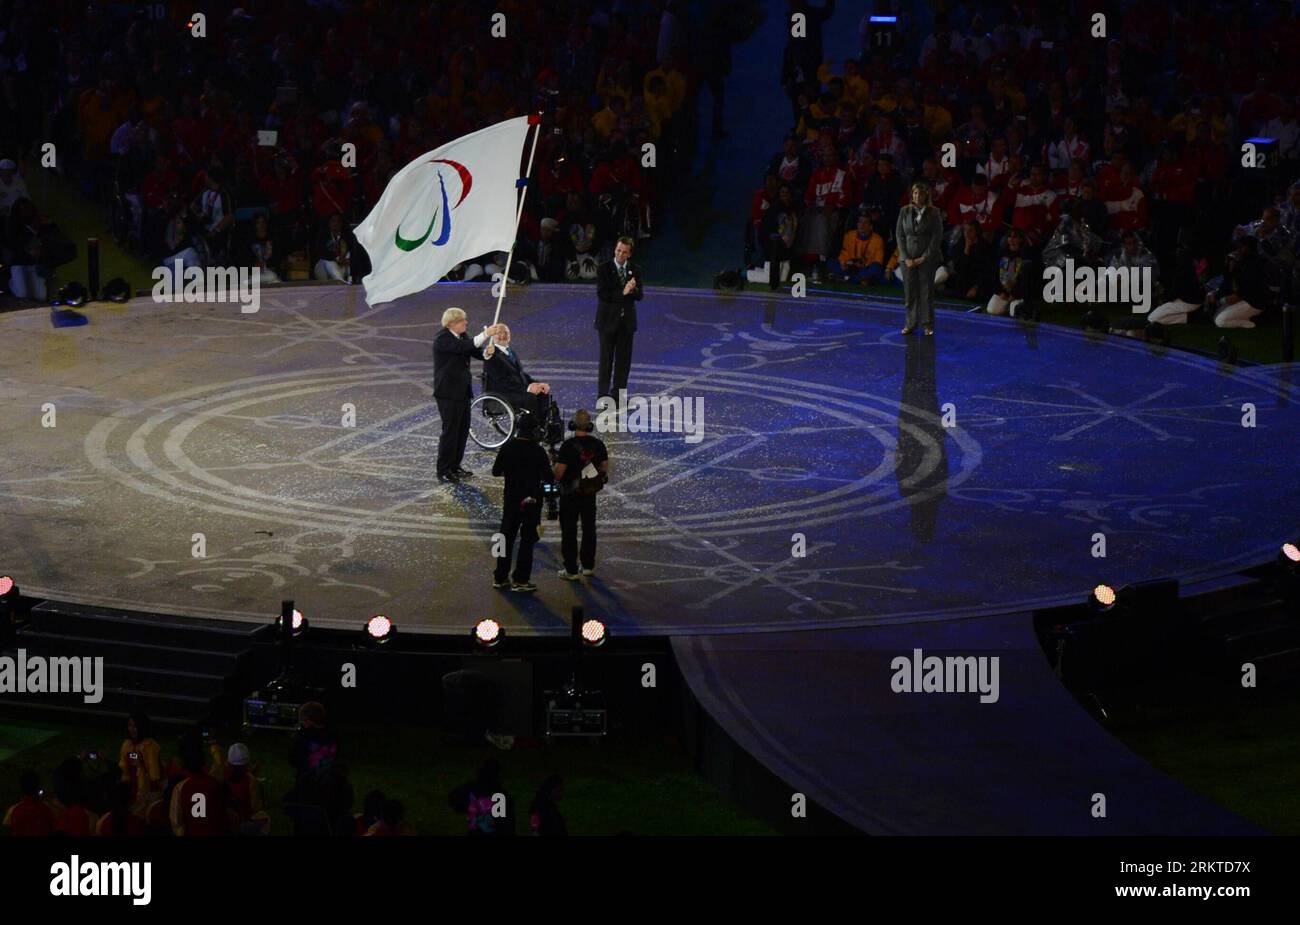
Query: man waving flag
[[444, 207]]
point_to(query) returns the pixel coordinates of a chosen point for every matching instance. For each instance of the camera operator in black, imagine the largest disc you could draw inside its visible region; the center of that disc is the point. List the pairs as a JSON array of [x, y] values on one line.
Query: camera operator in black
[[526, 468], [578, 494]]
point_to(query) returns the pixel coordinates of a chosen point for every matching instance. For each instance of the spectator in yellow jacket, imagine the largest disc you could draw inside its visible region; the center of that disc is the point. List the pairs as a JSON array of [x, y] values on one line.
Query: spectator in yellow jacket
[[140, 760], [862, 258]]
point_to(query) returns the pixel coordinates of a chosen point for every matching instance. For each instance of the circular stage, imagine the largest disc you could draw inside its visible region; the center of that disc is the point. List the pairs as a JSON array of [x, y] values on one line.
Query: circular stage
[[842, 474]]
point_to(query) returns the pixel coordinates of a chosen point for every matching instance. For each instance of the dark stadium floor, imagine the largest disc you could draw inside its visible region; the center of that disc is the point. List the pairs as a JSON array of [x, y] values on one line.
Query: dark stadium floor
[[820, 420]]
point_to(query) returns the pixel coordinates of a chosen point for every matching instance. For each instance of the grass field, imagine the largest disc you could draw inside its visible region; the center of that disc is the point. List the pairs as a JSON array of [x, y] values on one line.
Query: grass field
[[1241, 757]]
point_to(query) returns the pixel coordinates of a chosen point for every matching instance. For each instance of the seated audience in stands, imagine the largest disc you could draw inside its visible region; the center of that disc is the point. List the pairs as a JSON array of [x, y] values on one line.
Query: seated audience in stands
[[971, 265], [121, 819], [1013, 281], [1244, 291], [31, 816]]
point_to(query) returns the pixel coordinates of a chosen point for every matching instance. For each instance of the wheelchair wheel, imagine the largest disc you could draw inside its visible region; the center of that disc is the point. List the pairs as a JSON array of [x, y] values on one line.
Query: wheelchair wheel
[[491, 420]]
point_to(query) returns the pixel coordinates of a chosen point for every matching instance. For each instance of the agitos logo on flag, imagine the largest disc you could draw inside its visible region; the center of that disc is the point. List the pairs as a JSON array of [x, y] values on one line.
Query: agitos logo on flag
[[466, 182], [444, 207]]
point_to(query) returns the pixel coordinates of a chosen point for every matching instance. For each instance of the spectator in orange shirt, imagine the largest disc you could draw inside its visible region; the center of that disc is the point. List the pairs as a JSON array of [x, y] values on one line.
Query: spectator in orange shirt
[[30, 817], [606, 120], [658, 104]]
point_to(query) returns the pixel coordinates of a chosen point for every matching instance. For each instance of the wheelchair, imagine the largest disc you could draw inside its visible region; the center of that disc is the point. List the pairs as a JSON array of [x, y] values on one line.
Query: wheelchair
[[493, 419]]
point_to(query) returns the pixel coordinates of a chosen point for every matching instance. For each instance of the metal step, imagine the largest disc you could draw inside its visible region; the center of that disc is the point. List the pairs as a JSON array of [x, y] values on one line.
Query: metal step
[[119, 700], [135, 653], [156, 629]]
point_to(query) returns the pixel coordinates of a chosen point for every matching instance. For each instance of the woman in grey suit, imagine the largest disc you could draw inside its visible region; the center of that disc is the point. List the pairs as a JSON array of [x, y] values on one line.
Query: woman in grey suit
[[918, 232]]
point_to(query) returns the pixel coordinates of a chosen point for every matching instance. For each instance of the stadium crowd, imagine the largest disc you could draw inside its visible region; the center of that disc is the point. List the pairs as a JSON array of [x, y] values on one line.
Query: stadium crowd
[[136, 793], [1042, 143], [231, 148]]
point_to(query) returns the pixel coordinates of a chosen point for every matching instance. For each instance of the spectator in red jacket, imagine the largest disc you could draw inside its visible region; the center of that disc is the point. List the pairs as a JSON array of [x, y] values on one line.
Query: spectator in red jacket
[[31, 816], [1107, 171], [997, 169], [979, 204], [331, 184], [121, 819], [1125, 201], [1070, 146], [72, 817], [158, 185], [1035, 208], [1069, 186], [885, 140], [198, 804], [283, 185], [560, 178], [826, 195], [618, 174]]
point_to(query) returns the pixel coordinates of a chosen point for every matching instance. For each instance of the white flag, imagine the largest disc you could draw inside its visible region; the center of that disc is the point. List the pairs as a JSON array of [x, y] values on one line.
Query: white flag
[[444, 207]]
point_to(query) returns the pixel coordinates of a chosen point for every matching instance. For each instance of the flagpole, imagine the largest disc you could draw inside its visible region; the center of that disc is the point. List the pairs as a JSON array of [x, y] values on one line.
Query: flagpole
[[519, 215]]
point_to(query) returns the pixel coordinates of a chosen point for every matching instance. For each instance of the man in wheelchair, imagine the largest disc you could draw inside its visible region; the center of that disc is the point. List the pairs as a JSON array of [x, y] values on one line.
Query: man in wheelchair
[[504, 374]]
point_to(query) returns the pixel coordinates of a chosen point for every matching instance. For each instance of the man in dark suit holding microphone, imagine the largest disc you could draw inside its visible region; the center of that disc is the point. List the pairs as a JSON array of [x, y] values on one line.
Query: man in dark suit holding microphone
[[618, 289], [452, 349]]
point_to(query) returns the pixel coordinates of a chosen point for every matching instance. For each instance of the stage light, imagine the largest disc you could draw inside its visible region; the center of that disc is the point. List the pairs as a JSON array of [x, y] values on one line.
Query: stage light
[[487, 633], [1289, 557], [8, 604], [380, 629], [593, 633], [73, 294], [1103, 598], [117, 290], [297, 623]]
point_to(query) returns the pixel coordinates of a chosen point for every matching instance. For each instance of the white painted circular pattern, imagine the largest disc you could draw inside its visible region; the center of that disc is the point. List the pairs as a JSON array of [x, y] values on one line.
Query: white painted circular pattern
[[156, 461]]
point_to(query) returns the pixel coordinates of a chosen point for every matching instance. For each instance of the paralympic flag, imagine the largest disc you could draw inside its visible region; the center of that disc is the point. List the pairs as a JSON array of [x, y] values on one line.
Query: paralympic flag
[[456, 202]]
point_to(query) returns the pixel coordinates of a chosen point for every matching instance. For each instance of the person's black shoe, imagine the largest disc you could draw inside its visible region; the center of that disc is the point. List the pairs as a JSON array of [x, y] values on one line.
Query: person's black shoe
[[448, 477], [464, 474]]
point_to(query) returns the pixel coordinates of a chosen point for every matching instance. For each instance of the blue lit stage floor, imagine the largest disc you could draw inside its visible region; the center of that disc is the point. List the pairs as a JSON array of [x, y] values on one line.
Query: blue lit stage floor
[[820, 419], [817, 709]]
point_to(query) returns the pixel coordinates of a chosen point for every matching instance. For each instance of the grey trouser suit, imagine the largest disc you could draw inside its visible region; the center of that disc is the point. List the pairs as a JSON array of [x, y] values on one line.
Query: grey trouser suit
[[918, 233]]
